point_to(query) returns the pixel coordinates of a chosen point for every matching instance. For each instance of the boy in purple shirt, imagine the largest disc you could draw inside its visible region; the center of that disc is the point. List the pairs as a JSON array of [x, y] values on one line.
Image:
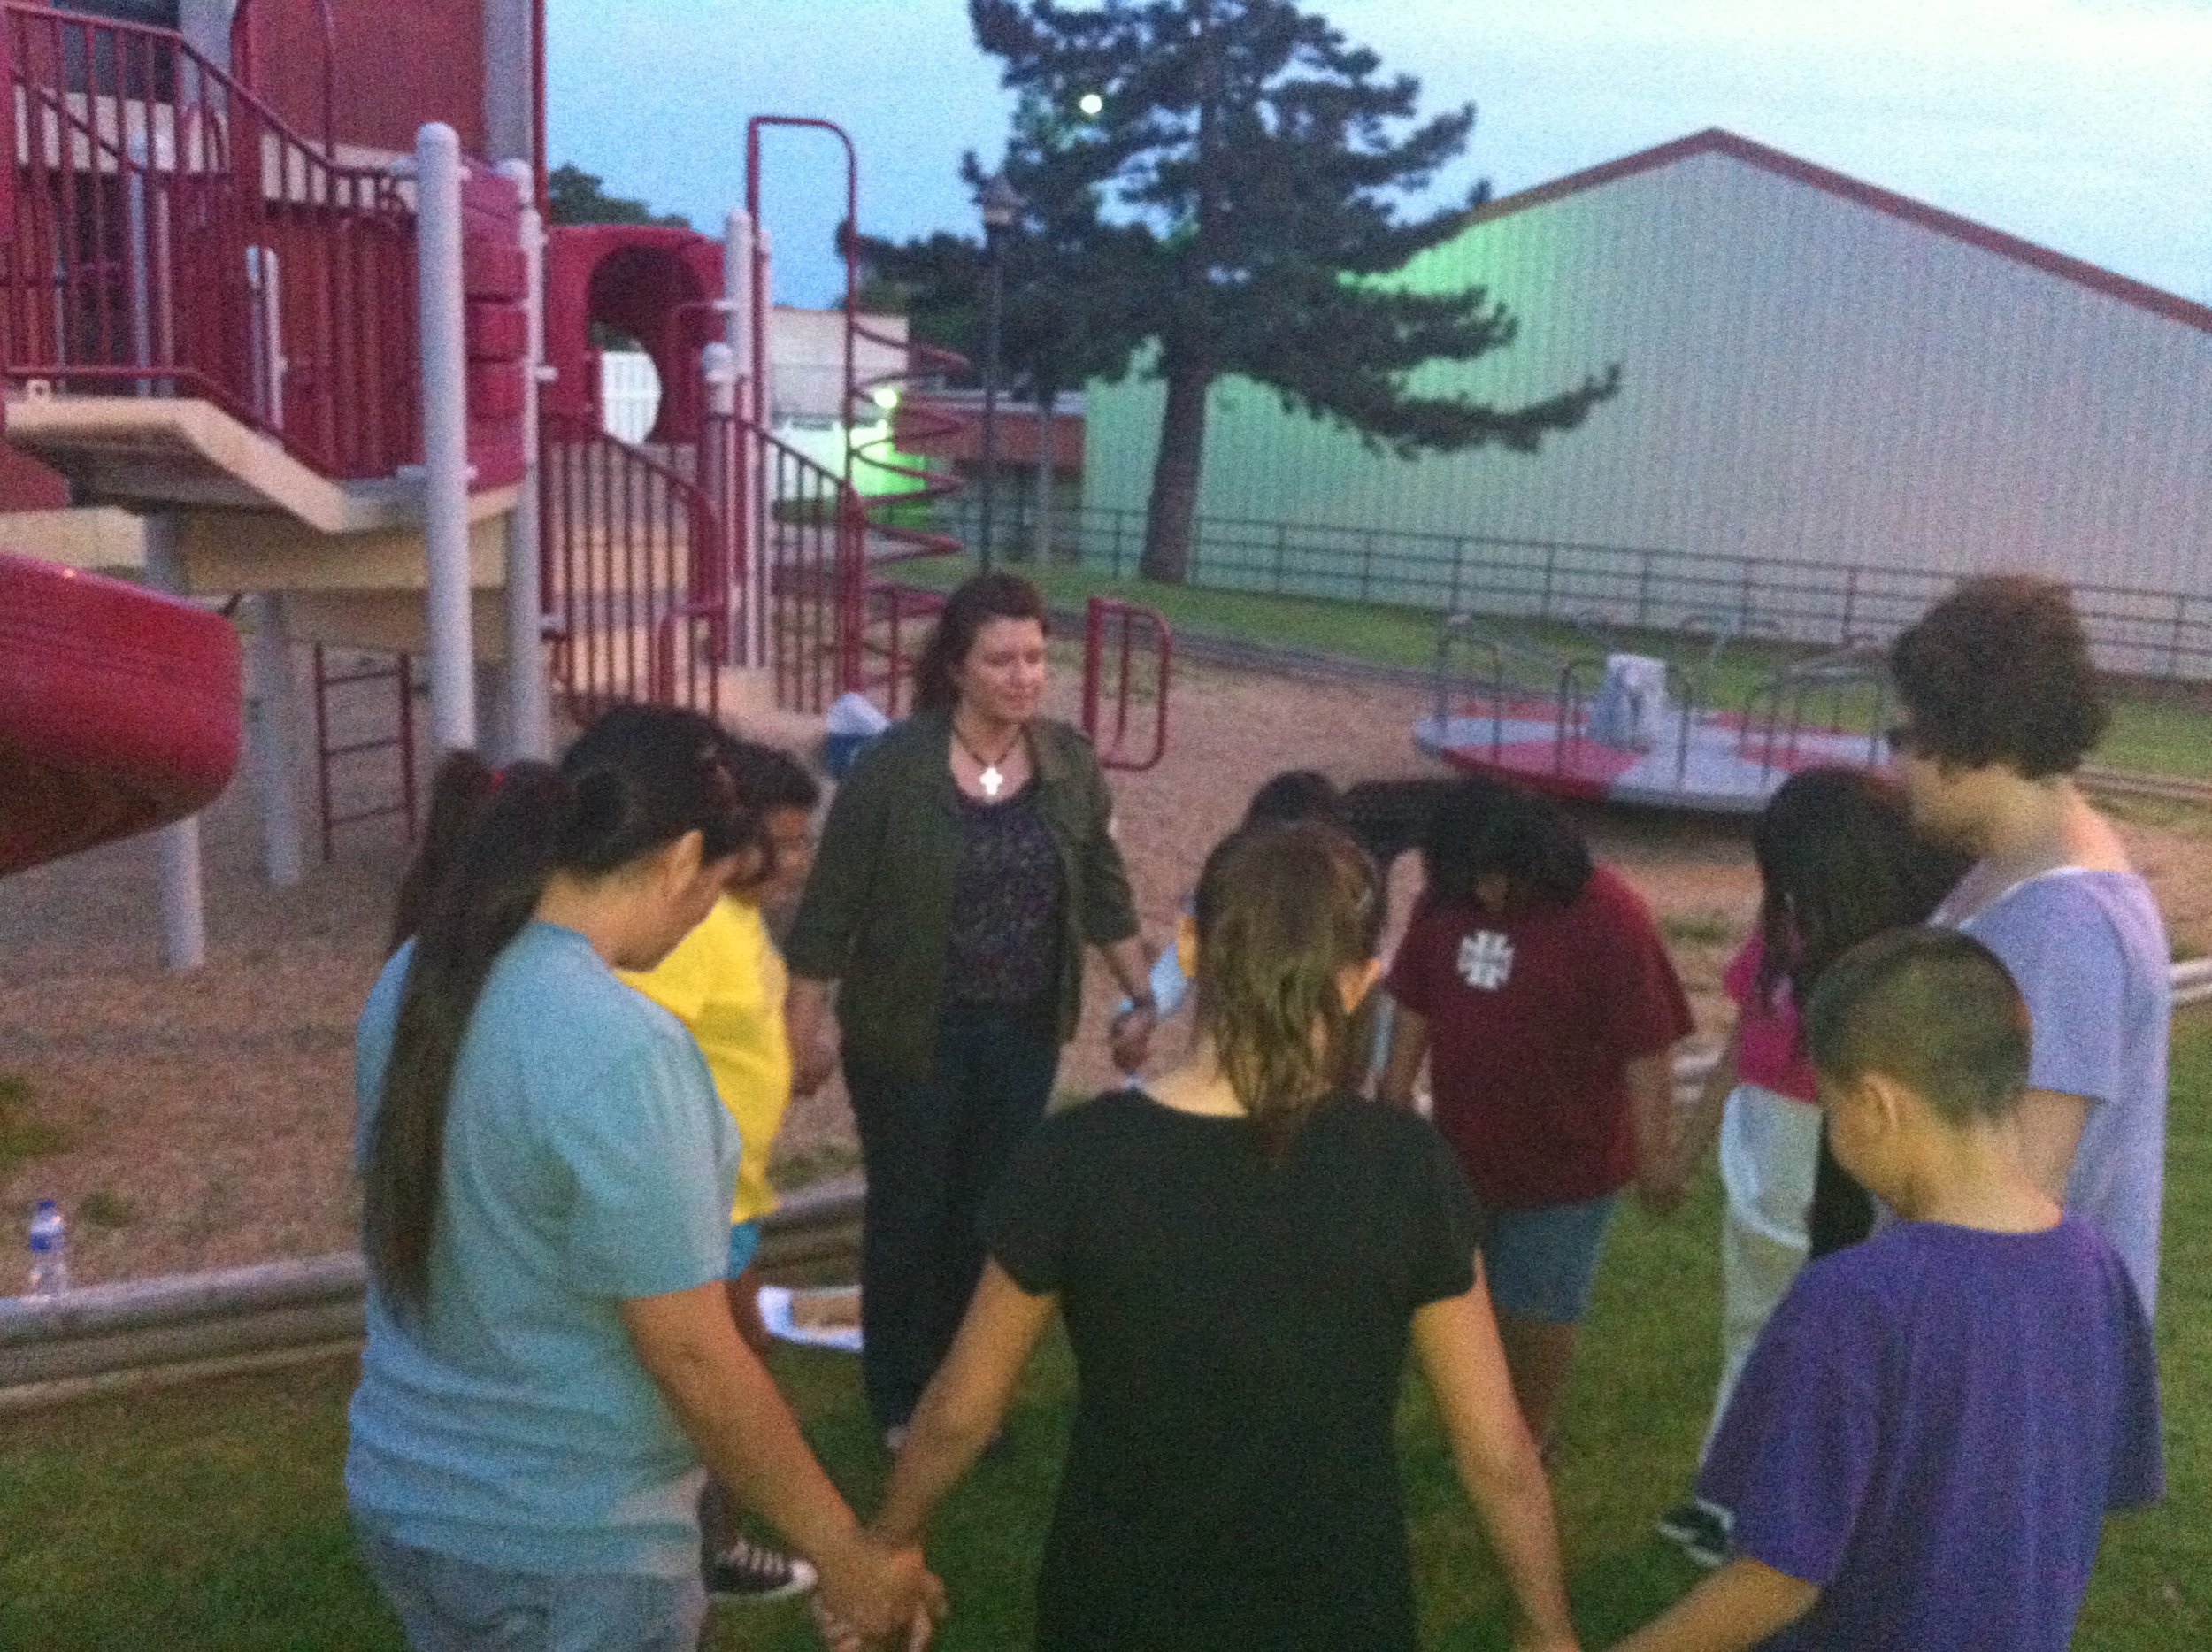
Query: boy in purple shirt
[[1923, 1447]]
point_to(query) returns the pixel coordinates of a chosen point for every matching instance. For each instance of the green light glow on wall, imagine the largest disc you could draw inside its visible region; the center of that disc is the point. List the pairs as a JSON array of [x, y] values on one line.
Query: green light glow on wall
[[827, 445]]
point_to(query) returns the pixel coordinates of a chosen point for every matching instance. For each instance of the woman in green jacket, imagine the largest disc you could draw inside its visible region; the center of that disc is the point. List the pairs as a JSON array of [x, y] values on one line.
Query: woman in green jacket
[[966, 863]]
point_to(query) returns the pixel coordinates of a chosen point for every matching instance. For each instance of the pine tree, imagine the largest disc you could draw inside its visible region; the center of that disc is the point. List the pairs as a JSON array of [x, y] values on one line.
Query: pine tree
[[1070, 279], [1258, 160]]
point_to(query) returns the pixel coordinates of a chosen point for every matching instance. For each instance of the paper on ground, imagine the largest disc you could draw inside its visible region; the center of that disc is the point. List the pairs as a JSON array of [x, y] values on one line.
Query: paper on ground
[[775, 1313]]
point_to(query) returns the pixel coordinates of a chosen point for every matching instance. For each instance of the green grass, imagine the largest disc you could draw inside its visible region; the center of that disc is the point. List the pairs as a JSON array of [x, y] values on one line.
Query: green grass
[[831, 1158], [2154, 732], [213, 1516], [1701, 928], [103, 1206], [25, 1135]]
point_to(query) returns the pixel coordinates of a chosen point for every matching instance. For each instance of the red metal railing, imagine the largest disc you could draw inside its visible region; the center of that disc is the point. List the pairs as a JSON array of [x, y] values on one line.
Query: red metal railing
[[635, 572], [797, 563], [900, 521], [896, 523], [1110, 629], [162, 233], [895, 618]]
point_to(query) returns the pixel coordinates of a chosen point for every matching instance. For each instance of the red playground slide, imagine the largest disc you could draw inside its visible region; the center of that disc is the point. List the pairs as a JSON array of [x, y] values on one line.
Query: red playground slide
[[118, 711]]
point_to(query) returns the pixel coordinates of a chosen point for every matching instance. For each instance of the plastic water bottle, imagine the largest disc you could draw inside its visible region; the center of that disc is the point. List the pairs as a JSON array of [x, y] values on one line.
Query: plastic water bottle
[[49, 1250]]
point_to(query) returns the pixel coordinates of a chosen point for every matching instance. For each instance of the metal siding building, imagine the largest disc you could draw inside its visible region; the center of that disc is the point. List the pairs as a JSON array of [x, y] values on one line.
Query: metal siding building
[[1817, 378]]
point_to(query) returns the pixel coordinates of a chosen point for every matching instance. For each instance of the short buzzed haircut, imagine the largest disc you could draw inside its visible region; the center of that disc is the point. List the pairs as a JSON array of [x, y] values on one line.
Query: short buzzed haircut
[[1931, 1009]]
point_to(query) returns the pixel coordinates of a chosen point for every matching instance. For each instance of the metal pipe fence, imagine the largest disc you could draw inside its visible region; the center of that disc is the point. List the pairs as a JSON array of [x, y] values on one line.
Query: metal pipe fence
[[2162, 635]]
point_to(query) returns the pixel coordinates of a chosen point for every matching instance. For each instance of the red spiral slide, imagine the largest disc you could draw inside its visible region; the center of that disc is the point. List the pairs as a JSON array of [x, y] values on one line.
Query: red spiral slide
[[118, 711]]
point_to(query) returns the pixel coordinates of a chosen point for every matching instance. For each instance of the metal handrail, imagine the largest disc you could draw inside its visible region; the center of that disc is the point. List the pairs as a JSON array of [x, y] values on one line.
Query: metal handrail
[[142, 181], [1543, 671], [1838, 673], [608, 568], [1113, 752], [935, 484]]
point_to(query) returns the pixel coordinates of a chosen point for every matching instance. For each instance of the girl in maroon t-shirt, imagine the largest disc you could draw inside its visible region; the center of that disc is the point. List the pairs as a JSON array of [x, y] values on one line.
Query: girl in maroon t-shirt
[[1535, 985]]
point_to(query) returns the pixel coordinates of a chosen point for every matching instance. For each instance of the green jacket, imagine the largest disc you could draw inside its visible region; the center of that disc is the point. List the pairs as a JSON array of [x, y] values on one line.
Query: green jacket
[[877, 915]]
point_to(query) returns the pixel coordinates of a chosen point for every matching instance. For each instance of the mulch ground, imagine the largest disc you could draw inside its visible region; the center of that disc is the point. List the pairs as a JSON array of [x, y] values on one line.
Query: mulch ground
[[208, 1116]]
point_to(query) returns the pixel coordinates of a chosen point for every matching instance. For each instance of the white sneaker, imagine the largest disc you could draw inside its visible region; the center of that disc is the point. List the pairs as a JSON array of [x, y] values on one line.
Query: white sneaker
[[753, 1574]]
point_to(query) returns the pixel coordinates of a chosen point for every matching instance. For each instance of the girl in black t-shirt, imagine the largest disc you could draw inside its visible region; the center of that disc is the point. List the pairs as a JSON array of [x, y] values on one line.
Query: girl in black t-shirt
[[1241, 1256]]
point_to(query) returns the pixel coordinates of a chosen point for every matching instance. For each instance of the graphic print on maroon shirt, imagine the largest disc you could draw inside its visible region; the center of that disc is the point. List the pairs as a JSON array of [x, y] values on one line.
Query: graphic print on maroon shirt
[[1531, 1014]]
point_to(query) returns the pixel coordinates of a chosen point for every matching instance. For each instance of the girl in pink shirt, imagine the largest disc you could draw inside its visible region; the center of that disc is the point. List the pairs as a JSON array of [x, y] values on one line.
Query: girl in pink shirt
[[1838, 861]]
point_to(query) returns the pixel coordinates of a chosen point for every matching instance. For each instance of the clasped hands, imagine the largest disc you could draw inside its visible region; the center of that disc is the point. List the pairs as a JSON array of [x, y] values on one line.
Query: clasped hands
[[1129, 1036], [882, 1597]]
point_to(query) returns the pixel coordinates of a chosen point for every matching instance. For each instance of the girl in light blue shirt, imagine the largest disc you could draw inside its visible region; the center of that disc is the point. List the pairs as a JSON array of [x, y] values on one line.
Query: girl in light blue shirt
[[547, 1180]]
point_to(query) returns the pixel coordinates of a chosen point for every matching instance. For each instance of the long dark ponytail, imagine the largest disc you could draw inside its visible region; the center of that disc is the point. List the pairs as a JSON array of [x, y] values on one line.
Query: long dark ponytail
[[460, 791], [637, 781]]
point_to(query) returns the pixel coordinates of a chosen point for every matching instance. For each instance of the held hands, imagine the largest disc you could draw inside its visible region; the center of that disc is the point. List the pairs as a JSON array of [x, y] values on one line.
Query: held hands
[[840, 1638], [1129, 1036], [873, 1590], [806, 1027], [1667, 1149], [1662, 1184], [811, 1066]]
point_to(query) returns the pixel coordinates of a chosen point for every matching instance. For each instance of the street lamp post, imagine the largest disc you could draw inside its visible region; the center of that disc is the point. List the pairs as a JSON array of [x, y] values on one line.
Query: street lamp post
[[1000, 206]]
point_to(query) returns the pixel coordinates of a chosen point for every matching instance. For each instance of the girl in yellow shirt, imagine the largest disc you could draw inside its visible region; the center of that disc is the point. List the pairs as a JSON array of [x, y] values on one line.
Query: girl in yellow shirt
[[725, 981]]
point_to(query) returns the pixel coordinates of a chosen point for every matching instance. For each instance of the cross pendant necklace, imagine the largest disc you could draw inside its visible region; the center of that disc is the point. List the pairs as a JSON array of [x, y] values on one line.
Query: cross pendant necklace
[[990, 779]]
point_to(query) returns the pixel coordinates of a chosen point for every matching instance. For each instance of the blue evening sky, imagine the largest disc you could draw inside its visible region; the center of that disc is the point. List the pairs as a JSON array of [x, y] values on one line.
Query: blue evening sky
[[2084, 125]]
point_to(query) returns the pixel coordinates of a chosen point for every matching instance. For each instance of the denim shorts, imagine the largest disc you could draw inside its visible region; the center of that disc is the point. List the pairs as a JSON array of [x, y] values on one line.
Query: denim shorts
[[448, 1604], [1541, 1260], [744, 1246]]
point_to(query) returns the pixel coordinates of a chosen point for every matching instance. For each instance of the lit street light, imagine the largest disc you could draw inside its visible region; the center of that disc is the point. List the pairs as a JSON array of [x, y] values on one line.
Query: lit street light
[[1000, 206]]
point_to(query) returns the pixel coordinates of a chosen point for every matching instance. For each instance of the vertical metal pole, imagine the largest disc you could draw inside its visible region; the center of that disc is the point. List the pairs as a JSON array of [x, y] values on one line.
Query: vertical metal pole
[[271, 736], [140, 272], [763, 368], [764, 540], [1048, 471], [445, 503], [740, 583], [529, 717], [748, 644], [183, 902], [993, 302], [265, 298], [177, 847], [737, 274]]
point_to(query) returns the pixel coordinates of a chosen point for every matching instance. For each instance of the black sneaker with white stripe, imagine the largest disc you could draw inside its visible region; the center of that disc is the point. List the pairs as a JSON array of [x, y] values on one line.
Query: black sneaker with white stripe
[[753, 1574]]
